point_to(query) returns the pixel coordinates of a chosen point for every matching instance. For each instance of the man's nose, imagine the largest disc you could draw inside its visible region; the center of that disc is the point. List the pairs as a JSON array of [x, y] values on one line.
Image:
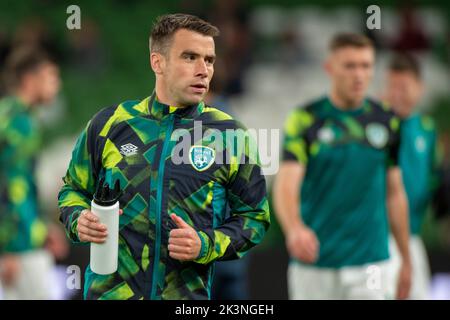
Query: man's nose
[[361, 72], [201, 69]]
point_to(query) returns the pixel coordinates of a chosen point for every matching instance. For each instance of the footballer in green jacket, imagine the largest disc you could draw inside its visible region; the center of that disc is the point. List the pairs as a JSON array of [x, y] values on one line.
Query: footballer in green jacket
[[178, 166]]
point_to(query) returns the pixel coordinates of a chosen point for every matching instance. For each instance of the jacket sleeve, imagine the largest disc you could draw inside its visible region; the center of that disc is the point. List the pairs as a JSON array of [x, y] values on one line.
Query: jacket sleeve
[[249, 209], [395, 127], [79, 183], [13, 187], [295, 146], [21, 225]]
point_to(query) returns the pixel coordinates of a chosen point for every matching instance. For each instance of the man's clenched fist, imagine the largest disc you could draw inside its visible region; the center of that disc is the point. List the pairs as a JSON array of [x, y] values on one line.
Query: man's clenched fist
[[184, 242]]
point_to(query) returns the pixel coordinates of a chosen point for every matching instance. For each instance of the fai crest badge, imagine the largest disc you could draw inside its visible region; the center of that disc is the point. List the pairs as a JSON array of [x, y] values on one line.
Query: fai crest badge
[[201, 158], [377, 135], [326, 135], [421, 144]]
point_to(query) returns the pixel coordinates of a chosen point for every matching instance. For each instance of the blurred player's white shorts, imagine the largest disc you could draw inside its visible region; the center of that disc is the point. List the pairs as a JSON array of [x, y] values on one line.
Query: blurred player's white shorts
[[366, 282], [33, 282], [420, 286]]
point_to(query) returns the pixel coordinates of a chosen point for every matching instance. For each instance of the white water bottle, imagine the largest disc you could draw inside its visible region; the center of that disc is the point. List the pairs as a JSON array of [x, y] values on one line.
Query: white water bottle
[[105, 206]]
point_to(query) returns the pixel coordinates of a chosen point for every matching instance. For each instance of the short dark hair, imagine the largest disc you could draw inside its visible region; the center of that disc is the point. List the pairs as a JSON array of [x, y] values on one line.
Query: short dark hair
[[20, 61], [356, 40], [405, 62], [166, 25]]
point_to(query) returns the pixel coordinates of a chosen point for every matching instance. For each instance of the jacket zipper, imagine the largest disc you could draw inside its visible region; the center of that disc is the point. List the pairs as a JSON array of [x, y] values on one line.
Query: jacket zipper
[[159, 193]]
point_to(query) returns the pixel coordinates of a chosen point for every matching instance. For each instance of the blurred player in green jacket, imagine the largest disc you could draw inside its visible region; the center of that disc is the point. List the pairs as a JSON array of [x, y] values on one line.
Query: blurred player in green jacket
[[339, 183], [173, 225], [418, 161], [32, 79]]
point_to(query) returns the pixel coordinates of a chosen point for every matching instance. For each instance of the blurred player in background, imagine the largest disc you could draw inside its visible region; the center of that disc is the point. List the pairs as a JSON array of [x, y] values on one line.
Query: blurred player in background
[[28, 242], [339, 182], [404, 90]]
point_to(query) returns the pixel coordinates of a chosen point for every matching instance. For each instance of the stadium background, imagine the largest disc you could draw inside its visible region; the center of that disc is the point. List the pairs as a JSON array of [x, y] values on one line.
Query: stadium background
[[270, 56]]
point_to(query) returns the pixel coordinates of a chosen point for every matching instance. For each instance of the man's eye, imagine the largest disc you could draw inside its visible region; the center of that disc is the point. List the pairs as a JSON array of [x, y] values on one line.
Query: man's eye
[[350, 66], [189, 57]]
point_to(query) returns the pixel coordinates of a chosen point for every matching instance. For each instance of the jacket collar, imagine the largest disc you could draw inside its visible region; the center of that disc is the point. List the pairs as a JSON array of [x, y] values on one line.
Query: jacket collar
[[160, 110]]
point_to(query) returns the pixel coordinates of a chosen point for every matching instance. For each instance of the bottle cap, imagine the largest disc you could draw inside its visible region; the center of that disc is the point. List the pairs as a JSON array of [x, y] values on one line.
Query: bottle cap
[[106, 197]]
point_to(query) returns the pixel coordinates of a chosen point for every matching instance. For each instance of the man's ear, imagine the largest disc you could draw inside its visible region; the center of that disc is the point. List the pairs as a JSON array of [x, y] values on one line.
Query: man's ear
[[327, 66], [27, 81], [157, 62]]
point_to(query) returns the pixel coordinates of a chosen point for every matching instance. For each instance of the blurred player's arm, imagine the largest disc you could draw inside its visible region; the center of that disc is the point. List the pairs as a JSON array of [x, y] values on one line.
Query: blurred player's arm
[[286, 192], [14, 158], [10, 179], [15, 194], [9, 263], [398, 218], [249, 212], [301, 242], [398, 212]]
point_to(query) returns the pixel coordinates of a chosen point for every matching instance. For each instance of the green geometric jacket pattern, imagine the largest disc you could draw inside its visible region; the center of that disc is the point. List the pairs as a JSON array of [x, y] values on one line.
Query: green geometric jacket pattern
[[21, 225], [155, 186]]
